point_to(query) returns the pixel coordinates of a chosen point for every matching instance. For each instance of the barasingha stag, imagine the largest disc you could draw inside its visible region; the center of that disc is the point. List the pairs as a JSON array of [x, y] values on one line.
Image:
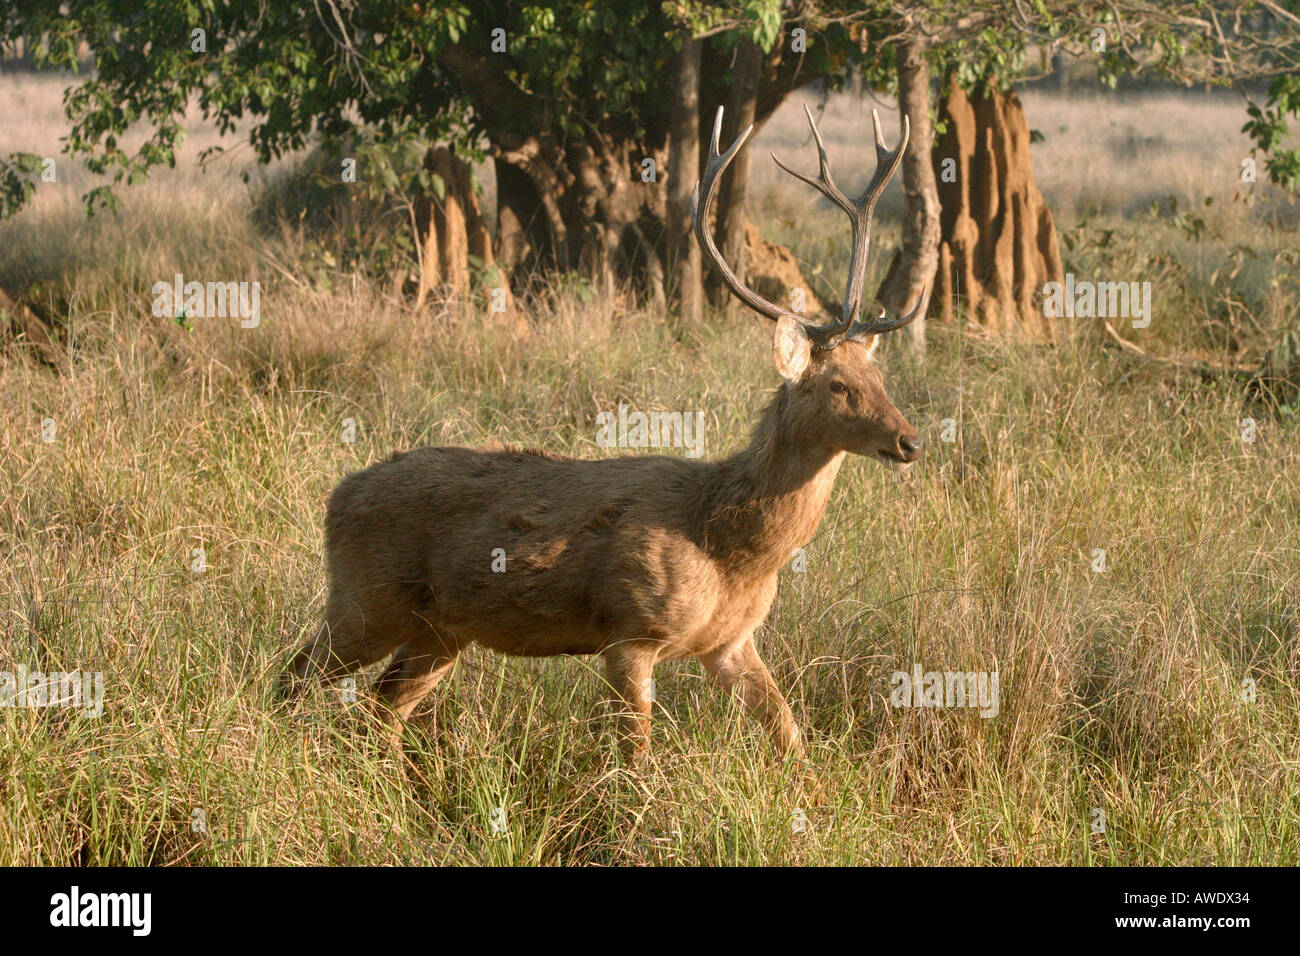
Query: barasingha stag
[[640, 559]]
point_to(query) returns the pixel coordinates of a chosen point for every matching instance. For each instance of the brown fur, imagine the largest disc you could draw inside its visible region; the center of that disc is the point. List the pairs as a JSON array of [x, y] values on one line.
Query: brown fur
[[640, 559]]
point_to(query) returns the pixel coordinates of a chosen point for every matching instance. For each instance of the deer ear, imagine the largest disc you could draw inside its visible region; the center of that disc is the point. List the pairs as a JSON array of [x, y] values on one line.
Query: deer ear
[[871, 342], [791, 348]]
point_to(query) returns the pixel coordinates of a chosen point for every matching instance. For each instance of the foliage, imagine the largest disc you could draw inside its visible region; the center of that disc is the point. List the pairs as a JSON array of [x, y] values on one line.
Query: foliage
[[445, 71], [1268, 127], [1217, 42], [352, 226]]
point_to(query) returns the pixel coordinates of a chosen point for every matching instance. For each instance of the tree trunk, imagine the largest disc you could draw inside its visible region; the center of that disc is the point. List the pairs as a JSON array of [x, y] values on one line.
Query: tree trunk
[[522, 234], [478, 240], [999, 245], [683, 172], [574, 199], [739, 114], [911, 275], [451, 228], [1060, 69]]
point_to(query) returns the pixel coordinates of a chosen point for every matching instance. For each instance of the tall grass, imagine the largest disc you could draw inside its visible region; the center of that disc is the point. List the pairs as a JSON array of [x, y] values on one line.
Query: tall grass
[[1126, 691]]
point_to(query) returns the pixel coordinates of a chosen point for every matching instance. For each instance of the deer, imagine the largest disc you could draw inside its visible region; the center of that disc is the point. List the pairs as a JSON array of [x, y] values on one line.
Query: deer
[[641, 559]]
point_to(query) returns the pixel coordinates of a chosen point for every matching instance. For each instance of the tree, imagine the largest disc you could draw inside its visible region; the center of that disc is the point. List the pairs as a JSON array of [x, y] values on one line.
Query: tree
[[742, 107], [578, 141], [683, 169], [911, 275], [997, 244], [582, 143]]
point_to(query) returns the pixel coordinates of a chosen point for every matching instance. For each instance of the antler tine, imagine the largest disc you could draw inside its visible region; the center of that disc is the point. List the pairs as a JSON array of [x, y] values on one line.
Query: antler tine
[[823, 183], [886, 165], [887, 161], [861, 330], [859, 213], [701, 198]]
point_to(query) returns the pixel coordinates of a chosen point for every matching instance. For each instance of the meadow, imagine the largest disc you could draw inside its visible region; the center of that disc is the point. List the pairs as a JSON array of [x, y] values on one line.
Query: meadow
[[1149, 711]]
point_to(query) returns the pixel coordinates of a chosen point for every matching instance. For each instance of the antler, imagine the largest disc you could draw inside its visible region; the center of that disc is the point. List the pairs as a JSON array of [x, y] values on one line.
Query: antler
[[836, 330]]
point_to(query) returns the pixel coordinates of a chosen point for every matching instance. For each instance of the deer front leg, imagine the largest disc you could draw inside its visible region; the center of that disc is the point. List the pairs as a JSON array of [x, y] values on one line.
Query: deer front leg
[[628, 668], [414, 672], [738, 665]]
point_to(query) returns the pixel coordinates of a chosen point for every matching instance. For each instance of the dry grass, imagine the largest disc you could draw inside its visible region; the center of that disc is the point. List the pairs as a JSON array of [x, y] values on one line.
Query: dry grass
[[1120, 690]]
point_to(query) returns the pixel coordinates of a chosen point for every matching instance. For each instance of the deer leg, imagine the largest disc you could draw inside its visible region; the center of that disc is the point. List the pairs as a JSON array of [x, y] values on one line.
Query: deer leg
[[738, 665], [415, 671], [341, 646], [628, 668]]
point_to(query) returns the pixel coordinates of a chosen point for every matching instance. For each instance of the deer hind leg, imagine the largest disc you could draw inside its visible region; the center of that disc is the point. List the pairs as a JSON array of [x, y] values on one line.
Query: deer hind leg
[[738, 665], [415, 671], [628, 667]]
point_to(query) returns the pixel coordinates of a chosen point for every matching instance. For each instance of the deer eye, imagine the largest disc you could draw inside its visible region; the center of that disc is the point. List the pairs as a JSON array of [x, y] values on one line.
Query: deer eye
[[838, 387]]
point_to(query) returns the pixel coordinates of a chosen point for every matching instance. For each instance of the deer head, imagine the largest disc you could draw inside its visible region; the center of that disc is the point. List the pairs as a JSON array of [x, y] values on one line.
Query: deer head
[[838, 393]]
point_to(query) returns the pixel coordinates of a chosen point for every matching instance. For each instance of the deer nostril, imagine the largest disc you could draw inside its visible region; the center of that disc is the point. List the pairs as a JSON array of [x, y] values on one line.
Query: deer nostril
[[910, 446]]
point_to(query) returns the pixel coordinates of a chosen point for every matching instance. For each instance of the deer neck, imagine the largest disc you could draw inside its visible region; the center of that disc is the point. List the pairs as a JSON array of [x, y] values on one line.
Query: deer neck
[[769, 498]]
